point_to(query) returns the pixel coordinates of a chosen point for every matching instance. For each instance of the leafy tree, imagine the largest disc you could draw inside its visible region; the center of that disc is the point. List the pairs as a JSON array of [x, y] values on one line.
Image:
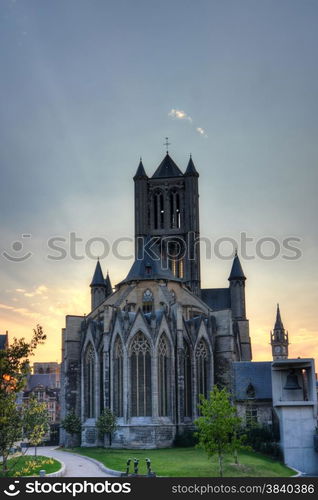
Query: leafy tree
[[35, 422], [14, 368], [10, 428], [106, 423], [217, 426], [72, 424]]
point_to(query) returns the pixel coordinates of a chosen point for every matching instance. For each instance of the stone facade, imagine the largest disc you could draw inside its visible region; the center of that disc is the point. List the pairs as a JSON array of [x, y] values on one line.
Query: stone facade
[[149, 347]]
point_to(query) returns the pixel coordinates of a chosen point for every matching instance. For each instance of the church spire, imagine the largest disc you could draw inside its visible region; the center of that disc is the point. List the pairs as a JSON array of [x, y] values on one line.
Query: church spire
[[109, 288], [236, 271], [279, 338]]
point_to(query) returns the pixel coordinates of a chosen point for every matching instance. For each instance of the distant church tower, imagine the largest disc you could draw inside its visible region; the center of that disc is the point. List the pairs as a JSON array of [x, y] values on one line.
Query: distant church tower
[[279, 339], [167, 207]]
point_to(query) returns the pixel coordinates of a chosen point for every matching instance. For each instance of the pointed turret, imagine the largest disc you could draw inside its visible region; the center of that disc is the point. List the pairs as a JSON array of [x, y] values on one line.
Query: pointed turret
[[279, 338], [237, 289], [236, 271], [98, 278], [191, 170], [109, 288], [98, 287], [140, 173]]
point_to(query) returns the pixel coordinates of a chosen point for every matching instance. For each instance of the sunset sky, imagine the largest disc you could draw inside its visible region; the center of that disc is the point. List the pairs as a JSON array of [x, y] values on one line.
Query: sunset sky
[[89, 86]]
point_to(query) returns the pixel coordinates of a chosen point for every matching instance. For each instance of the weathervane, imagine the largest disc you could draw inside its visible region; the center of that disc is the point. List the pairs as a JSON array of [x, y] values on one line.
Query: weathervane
[[167, 144]]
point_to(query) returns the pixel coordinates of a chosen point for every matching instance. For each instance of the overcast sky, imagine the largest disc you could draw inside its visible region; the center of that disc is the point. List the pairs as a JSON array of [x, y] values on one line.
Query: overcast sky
[[87, 87]]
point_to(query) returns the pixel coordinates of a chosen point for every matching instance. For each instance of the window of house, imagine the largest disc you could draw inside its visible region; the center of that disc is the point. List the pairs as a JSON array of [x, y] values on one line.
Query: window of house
[[251, 415]]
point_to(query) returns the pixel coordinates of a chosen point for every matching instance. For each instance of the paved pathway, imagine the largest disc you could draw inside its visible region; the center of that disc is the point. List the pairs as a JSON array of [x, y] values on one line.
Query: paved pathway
[[76, 466]]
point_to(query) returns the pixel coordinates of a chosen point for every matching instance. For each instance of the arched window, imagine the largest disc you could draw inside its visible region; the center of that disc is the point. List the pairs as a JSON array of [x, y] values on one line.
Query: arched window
[[140, 376], [187, 381], [101, 382], [89, 381], [201, 355], [175, 214], [118, 358], [147, 301], [158, 210], [163, 377]]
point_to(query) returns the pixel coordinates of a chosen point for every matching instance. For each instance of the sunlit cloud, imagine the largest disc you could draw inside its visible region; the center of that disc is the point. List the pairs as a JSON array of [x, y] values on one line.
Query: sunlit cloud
[[201, 131], [179, 114]]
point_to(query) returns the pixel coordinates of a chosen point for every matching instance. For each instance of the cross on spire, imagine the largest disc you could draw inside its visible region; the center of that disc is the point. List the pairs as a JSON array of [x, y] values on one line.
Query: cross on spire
[[167, 143]]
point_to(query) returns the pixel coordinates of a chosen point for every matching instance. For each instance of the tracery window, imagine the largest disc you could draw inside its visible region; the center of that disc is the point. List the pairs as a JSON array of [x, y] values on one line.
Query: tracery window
[[140, 375], [89, 381], [118, 360], [201, 355], [187, 381], [163, 377]]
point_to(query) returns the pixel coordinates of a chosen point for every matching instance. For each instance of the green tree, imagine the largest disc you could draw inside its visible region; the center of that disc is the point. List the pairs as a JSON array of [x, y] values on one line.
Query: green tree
[[72, 425], [10, 428], [217, 426], [106, 424], [35, 422], [14, 368]]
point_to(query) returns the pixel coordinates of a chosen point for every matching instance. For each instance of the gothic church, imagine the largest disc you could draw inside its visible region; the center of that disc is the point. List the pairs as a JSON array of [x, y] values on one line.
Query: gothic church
[[157, 340]]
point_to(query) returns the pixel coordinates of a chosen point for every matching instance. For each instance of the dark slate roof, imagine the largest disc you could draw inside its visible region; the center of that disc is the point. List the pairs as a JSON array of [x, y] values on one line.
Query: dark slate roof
[[109, 288], [278, 323], [141, 173], [45, 379], [191, 170], [98, 278], [216, 298], [3, 341], [167, 168], [236, 271], [149, 267], [256, 373]]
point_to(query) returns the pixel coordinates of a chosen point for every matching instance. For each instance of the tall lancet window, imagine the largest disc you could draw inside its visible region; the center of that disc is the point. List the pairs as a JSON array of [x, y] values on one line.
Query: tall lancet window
[[118, 386], [101, 382], [89, 382], [201, 355], [175, 213], [187, 381], [163, 377], [158, 210], [140, 376]]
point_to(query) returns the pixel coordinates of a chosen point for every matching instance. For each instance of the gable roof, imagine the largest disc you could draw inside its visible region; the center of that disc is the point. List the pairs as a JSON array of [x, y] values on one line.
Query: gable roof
[[255, 373], [167, 168]]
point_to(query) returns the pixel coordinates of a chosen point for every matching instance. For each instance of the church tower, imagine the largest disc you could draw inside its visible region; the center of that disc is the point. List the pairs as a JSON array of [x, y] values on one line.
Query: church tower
[[167, 209], [279, 338]]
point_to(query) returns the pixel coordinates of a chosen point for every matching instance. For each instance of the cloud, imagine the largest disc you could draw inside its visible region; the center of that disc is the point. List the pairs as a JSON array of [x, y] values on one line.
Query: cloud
[[201, 131], [179, 114]]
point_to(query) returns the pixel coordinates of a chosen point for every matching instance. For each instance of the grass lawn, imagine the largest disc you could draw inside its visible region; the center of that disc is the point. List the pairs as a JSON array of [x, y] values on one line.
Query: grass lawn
[[28, 465], [188, 462]]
